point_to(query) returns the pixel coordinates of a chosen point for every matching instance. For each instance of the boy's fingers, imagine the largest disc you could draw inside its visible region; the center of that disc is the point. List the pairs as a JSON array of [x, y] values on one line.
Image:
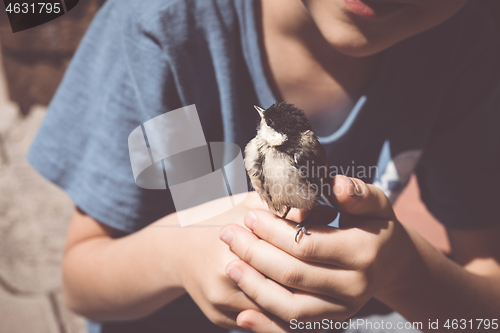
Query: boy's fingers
[[355, 197], [278, 300], [258, 322], [325, 245], [267, 293], [283, 267]]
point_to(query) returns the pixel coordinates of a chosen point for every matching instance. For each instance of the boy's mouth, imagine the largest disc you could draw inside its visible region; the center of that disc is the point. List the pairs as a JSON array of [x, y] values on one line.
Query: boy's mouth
[[374, 8]]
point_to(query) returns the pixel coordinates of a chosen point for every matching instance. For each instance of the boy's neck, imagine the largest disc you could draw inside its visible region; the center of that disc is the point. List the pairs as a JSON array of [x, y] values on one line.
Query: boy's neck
[[302, 66]]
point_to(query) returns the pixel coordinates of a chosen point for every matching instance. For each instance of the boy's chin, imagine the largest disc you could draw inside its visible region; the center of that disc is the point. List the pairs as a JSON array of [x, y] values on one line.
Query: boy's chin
[[360, 47], [352, 41]]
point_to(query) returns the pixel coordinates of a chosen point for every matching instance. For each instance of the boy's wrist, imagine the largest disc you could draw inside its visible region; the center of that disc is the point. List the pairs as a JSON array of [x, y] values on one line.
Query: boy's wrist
[[171, 247], [416, 276], [411, 269]]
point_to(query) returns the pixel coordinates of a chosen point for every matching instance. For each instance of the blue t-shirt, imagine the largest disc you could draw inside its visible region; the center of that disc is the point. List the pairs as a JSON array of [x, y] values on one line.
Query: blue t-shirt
[[431, 108]]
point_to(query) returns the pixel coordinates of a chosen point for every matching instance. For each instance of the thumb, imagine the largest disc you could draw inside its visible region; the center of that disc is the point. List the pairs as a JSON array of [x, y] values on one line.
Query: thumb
[[355, 197]]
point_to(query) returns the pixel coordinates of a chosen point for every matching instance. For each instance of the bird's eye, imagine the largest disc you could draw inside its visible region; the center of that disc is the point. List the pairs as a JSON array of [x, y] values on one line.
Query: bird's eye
[[269, 122]]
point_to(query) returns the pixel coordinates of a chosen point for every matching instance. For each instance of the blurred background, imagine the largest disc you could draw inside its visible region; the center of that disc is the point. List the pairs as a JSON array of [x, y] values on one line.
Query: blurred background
[[34, 214]]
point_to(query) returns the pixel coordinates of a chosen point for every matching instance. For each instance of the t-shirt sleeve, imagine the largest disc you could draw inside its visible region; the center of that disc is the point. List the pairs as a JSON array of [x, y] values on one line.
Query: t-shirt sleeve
[[118, 79], [459, 170]]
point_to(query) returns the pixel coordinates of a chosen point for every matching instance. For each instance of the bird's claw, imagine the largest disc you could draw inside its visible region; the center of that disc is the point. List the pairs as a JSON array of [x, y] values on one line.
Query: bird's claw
[[301, 228]]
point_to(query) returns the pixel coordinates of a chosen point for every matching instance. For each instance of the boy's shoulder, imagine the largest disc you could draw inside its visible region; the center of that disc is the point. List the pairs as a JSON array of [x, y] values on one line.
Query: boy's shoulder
[[175, 11], [177, 24]]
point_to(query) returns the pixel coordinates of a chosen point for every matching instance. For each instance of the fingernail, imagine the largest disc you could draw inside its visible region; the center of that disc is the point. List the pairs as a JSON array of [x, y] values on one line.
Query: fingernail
[[356, 189], [250, 219], [227, 236], [344, 184], [235, 273]]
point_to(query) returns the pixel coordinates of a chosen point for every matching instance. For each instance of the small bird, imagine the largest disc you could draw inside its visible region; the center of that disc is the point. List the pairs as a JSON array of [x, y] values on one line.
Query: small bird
[[286, 163]]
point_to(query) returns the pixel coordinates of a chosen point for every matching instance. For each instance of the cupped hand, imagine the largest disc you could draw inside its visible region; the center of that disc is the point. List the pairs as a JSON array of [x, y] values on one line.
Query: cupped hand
[[329, 274], [202, 261]]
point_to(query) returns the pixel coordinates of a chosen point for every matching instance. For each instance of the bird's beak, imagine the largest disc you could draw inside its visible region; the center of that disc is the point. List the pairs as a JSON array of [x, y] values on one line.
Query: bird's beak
[[260, 110]]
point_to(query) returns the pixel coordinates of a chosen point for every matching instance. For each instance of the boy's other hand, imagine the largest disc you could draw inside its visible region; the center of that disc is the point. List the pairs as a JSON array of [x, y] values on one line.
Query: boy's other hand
[[203, 259], [329, 274]]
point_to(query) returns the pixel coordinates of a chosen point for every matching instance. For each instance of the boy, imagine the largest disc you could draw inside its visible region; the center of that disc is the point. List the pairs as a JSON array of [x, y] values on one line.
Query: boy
[[394, 84]]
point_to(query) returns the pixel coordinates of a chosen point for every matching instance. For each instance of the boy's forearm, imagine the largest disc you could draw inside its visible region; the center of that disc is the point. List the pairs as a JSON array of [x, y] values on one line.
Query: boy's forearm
[[436, 288], [125, 278]]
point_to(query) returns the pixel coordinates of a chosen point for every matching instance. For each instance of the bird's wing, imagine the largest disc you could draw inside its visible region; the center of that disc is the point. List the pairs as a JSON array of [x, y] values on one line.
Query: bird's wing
[[310, 159]]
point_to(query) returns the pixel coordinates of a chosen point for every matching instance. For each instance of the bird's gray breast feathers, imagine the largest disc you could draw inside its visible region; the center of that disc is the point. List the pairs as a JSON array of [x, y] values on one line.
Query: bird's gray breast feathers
[[277, 178]]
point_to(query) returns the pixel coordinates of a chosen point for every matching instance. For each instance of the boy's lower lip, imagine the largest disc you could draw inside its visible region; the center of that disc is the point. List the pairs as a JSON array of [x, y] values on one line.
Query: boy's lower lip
[[368, 8]]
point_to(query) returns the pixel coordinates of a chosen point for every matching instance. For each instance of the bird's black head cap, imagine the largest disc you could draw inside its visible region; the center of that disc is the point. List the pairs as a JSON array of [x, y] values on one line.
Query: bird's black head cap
[[287, 119]]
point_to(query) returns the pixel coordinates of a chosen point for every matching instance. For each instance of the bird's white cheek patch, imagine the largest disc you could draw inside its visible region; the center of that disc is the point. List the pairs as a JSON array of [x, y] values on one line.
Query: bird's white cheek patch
[[272, 137]]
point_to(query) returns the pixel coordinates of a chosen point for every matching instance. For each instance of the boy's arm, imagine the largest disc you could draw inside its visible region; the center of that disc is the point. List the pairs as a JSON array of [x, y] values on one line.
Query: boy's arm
[[442, 289], [372, 256], [108, 278]]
